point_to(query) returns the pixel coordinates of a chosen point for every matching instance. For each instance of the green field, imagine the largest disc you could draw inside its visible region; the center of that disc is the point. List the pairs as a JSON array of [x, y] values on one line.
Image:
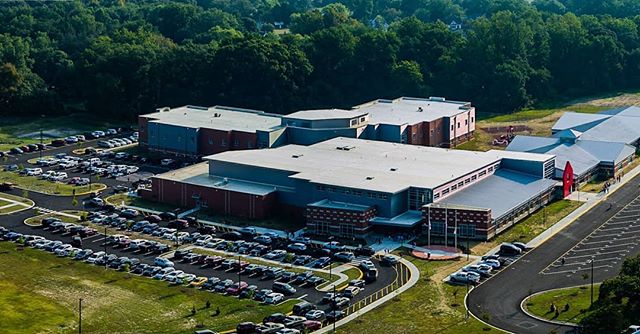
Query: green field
[[40, 294], [33, 183], [578, 298], [431, 306]]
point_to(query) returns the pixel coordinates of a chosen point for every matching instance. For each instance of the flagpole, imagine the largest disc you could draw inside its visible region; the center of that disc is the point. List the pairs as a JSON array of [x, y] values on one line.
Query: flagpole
[[446, 226], [429, 230]]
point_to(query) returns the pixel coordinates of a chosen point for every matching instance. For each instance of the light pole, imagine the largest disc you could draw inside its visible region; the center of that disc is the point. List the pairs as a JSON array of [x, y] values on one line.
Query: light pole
[[41, 146], [80, 317], [591, 281]]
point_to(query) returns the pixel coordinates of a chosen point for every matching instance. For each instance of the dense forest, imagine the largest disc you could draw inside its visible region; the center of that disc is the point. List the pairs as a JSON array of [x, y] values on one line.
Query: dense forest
[[122, 58]]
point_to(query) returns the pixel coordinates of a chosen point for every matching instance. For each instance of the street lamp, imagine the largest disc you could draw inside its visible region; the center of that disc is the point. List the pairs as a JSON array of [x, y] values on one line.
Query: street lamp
[[591, 281]]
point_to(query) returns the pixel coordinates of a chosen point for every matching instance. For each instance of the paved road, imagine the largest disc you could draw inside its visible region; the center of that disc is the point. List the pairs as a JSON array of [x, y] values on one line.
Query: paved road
[[607, 233]]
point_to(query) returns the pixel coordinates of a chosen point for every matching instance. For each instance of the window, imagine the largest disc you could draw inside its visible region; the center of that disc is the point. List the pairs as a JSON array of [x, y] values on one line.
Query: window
[[362, 119], [454, 187], [460, 184], [223, 143], [466, 122], [483, 173], [249, 145], [236, 142], [446, 191], [467, 181], [451, 127], [471, 119], [354, 122], [474, 177], [490, 169], [458, 125], [436, 196]]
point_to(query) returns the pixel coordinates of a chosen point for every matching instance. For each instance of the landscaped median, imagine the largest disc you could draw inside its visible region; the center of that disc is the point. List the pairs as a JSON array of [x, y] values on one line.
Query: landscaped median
[[572, 304], [32, 183], [41, 292], [124, 199], [11, 204], [67, 216]]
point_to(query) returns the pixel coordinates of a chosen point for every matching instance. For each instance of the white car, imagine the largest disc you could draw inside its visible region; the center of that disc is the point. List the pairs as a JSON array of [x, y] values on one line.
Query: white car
[[48, 174], [34, 171], [314, 315], [112, 131], [170, 277], [214, 243], [464, 277], [59, 177], [95, 257], [71, 140], [495, 264], [166, 162], [203, 240], [273, 298]]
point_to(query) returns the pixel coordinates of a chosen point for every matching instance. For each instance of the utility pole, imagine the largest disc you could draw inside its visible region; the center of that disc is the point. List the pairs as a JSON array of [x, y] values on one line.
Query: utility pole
[[80, 317], [591, 281]]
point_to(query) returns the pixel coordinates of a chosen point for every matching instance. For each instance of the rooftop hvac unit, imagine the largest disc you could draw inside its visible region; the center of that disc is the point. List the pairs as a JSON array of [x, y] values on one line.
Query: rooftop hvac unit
[[437, 98]]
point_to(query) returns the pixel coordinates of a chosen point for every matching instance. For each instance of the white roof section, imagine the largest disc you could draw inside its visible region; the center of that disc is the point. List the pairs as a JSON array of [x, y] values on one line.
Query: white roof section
[[217, 117], [326, 114], [364, 164], [539, 157], [523, 143], [198, 174], [617, 129], [409, 110], [500, 192]]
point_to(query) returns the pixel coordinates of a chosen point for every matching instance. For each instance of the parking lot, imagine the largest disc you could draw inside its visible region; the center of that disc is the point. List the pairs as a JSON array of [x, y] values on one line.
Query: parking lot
[[606, 246]]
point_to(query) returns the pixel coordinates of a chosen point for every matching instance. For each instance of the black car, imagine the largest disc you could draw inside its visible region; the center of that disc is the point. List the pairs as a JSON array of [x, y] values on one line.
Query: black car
[[276, 317], [246, 328], [168, 216], [335, 315], [139, 269], [364, 251], [233, 236]]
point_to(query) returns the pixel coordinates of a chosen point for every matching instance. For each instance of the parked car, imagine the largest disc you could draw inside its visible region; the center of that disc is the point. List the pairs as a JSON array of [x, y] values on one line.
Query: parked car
[[283, 288], [273, 298], [315, 315], [509, 249], [162, 262]]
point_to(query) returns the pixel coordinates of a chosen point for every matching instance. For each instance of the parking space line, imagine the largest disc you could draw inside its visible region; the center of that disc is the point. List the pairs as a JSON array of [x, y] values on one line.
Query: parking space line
[[591, 255], [575, 270]]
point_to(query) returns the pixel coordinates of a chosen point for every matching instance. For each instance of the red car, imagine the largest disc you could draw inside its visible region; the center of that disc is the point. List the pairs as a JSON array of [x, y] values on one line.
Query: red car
[[236, 288], [312, 325]]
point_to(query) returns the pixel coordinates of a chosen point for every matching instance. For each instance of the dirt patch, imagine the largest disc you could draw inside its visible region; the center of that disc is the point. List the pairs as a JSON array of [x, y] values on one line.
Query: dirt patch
[[622, 100], [505, 129]]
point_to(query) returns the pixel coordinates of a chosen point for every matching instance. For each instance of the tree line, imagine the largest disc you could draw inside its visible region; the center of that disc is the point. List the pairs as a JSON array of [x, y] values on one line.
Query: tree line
[[122, 58]]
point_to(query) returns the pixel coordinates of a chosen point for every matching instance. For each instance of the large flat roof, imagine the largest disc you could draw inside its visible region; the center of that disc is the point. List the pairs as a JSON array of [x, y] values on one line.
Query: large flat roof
[[408, 110], [500, 192], [322, 114], [364, 164], [217, 117], [198, 174]]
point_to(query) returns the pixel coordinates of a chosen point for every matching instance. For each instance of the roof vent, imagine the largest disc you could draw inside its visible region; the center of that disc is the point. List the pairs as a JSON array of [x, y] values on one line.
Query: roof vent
[[393, 169], [420, 109], [345, 148], [437, 98], [296, 156], [370, 177]]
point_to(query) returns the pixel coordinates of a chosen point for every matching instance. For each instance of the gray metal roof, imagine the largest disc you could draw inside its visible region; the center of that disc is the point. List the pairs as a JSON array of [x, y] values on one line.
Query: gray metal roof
[[500, 192], [571, 119], [580, 160], [328, 204], [621, 129], [407, 219], [532, 144]]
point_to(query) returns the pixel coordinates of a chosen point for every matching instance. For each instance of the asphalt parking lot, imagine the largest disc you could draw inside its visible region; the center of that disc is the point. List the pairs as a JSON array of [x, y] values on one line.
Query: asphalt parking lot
[[606, 246], [606, 233]]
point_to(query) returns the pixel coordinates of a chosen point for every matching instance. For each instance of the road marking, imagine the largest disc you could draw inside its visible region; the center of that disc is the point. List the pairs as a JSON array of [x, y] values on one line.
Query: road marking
[[98, 240], [575, 270], [604, 253]]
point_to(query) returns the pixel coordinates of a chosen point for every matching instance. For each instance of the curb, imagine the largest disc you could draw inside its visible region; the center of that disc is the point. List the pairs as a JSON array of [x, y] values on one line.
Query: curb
[[415, 275], [480, 320], [554, 322], [104, 186]]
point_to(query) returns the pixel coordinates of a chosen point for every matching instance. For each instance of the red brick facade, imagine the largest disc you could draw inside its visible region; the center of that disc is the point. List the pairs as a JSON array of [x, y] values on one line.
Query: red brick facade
[[343, 222], [479, 220], [220, 201], [212, 141]]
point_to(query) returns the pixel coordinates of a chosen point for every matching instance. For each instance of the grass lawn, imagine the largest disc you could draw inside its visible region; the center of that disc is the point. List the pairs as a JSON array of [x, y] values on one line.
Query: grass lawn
[[18, 131], [431, 306], [40, 295], [7, 199], [33, 183], [529, 228], [578, 298], [538, 120], [36, 220]]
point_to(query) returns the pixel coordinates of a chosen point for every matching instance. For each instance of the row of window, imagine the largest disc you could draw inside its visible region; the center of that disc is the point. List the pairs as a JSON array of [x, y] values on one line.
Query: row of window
[[466, 122], [352, 192], [460, 184]]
